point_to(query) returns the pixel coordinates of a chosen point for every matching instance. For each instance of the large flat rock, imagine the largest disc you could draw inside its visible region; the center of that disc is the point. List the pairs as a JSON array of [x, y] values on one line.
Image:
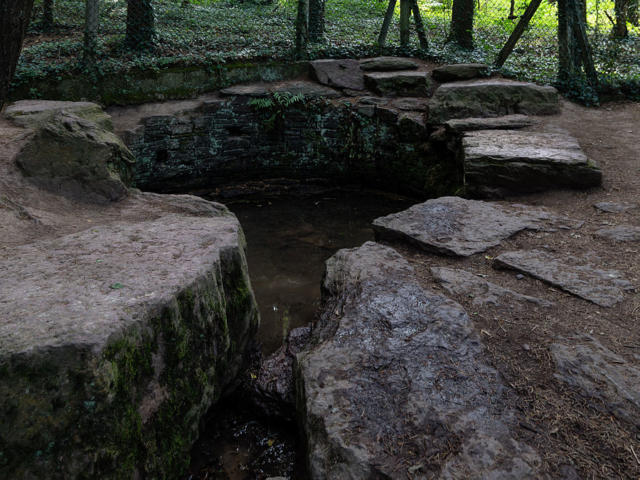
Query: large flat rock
[[455, 226], [463, 283], [502, 162], [398, 84], [396, 384], [343, 73], [491, 98], [115, 341], [121, 323], [598, 373], [602, 287]]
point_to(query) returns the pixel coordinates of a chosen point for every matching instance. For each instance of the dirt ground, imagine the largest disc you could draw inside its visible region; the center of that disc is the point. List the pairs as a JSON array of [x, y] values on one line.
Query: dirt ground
[[566, 428]]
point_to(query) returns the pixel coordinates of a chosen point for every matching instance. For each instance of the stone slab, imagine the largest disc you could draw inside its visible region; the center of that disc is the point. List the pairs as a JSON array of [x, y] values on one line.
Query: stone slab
[[396, 384], [304, 87], [497, 162], [602, 287], [344, 73], [491, 98], [614, 207], [598, 373], [621, 233], [387, 64], [506, 122], [401, 83], [463, 283], [460, 71], [455, 226]]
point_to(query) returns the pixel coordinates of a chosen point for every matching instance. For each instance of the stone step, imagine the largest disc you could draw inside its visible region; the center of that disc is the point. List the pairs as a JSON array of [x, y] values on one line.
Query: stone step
[[506, 122], [491, 98], [460, 71], [343, 73], [387, 64], [506, 162], [398, 84]]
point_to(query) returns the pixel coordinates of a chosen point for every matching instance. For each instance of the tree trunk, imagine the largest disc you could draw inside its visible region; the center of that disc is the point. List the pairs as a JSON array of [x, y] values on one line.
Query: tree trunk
[[141, 25], [90, 31], [47, 15], [14, 20], [620, 27], [385, 24], [302, 27], [316, 20], [517, 32], [462, 23], [633, 12], [405, 16]]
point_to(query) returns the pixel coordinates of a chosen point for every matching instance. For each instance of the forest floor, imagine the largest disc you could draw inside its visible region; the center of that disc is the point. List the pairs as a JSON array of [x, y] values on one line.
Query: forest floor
[[560, 423]]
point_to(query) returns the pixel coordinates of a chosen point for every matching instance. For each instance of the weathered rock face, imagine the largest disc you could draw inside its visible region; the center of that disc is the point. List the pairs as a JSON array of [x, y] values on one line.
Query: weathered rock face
[[115, 341], [501, 162], [218, 141], [491, 98], [73, 150], [602, 287], [460, 71], [424, 402], [598, 373], [402, 83], [387, 64], [454, 226], [345, 73], [483, 292]]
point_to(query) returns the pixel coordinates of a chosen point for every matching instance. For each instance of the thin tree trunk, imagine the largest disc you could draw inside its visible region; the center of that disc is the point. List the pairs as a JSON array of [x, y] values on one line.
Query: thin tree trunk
[[14, 20], [620, 28], [462, 23], [90, 30], [141, 25], [586, 56], [385, 24], [47, 15], [316, 20], [633, 12], [422, 35], [517, 32], [302, 27], [405, 16]]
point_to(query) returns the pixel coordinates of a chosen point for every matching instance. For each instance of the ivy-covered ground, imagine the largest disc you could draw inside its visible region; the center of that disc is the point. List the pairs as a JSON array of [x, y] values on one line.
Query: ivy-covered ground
[[216, 31]]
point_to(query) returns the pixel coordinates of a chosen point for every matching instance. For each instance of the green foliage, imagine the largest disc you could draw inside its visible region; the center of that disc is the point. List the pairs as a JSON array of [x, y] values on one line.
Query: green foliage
[[214, 32]]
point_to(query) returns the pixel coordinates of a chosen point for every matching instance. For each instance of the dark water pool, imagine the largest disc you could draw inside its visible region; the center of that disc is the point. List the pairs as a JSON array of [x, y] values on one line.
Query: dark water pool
[[289, 237]]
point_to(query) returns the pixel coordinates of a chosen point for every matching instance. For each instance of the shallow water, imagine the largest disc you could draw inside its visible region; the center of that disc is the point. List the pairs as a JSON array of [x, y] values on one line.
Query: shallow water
[[288, 240]]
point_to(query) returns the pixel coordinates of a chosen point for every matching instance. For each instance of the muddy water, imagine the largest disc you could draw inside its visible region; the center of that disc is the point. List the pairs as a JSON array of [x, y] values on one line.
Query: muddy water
[[289, 237]]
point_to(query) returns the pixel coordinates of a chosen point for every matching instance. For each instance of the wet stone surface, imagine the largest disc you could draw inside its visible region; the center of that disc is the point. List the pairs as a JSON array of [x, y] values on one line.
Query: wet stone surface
[[459, 227], [389, 421]]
